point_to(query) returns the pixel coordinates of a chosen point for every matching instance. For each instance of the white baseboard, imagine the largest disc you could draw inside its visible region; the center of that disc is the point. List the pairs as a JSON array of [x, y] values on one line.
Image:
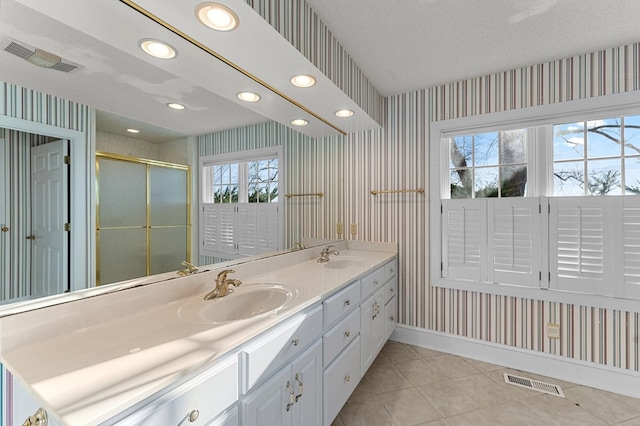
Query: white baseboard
[[617, 380]]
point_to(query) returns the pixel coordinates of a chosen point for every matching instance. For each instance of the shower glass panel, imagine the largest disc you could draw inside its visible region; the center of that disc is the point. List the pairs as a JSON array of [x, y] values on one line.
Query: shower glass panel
[[168, 248], [169, 195], [122, 254], [122, 196]]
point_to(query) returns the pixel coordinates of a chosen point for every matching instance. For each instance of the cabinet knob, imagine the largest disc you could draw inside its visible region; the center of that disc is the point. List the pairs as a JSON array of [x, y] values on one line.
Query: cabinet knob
[[347, 378], [392, 318], [193, 415], [347, 334], [375, 282], [295, 342], [347, 302]]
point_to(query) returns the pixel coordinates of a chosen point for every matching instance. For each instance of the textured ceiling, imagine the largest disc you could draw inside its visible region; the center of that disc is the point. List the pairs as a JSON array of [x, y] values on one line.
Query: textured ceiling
[[415, 44]]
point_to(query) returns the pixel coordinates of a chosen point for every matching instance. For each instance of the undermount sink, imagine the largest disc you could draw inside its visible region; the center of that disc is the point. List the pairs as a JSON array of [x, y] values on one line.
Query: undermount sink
[[345, 263], [247, 301]]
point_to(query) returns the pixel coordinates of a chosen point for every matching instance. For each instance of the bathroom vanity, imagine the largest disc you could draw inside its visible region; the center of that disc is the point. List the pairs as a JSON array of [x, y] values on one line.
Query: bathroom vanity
[[288, 346]]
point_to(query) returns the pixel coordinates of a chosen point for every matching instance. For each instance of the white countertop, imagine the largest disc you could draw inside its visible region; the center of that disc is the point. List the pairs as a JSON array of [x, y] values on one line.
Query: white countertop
[[100, 362]]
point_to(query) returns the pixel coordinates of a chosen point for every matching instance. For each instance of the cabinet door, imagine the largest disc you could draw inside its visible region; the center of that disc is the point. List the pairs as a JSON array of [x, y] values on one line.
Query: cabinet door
[[378, 320], [366, 333], [267, 404], [307, 383], [390, 317]]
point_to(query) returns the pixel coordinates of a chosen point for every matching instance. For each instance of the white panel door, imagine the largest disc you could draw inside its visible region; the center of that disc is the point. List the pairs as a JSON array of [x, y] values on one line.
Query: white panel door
[[5, 226], [49, 213]]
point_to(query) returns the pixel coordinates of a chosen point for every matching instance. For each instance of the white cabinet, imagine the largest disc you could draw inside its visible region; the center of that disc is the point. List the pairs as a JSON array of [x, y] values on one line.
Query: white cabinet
[[372, 328], [196, 402], [228, 418], [291, 397]]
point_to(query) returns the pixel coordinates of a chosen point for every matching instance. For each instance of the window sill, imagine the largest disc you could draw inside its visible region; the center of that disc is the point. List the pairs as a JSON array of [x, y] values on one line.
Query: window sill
[[542, 294]]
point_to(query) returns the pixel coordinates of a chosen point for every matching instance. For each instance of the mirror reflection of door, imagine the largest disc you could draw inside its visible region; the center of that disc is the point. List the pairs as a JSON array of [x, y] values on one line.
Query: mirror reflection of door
[[49, 218], [35, 209]]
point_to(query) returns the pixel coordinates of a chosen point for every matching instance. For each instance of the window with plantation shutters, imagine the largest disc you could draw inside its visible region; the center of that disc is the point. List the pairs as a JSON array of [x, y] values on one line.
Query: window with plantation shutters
[[240, 204], [539, 201]]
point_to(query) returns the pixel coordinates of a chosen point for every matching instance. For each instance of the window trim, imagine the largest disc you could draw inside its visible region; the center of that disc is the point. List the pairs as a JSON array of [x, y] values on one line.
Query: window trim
[[534, 117]]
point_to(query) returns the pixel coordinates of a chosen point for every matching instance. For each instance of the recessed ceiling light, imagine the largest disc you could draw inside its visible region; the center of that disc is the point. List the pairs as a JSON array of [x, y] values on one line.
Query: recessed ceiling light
[[217, 16], [303, 80], [248, 96], [157, 48], [175, 105], [299, 122], [343, 113], [133, 131]]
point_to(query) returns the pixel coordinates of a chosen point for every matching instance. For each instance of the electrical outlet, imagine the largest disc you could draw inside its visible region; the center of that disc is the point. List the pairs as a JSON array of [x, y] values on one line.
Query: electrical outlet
[[339, 228], [553, 330], [354, 228]]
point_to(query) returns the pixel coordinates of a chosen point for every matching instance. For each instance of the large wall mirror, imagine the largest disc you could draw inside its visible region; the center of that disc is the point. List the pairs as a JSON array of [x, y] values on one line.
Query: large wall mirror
[[135, 90]]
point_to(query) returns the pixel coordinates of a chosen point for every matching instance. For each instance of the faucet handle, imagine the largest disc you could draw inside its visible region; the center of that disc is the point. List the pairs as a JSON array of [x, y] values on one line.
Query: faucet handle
[[192, 268], [222, 275]]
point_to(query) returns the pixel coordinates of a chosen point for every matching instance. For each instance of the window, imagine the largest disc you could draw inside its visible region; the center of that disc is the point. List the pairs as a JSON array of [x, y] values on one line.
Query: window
[[488, 164], [524, 208], [240, 209], [598, 157]]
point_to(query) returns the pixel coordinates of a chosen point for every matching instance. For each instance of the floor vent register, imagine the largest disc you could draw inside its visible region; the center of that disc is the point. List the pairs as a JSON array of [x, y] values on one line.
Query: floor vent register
[[533, 384]]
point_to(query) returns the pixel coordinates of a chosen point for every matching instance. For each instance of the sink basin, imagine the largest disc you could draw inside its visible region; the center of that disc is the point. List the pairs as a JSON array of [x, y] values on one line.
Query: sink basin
[[247, 301], [345, 263]]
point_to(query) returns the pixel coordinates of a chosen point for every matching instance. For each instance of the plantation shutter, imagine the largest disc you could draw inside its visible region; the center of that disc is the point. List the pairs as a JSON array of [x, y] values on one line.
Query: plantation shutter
[[514, 241], [463, 238], [580, 232], [630, 246], [267, 227], [246, 229], [217, 230]]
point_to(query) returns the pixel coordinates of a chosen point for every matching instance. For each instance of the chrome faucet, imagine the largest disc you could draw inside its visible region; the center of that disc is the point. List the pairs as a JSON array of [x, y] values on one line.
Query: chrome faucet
[[191, 269], [222, 285], [324, 254]]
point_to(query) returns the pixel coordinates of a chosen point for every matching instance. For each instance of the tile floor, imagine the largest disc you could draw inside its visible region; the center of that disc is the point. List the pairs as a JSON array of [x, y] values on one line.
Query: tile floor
[[409, 385]]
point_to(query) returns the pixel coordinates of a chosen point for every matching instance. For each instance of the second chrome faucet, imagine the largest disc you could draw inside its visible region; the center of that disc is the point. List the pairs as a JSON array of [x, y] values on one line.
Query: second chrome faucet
[[222, 285], [324, 254]]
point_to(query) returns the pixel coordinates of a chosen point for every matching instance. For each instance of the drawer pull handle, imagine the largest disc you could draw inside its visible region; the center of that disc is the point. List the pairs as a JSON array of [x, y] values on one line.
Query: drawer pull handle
[[295, 342], [392, 290], [392, 270], [375, 282], [292, 399], [347, 302], [38, 419], [193, 415], [392, 318], [347, 378], [300, 388], [347, 334]]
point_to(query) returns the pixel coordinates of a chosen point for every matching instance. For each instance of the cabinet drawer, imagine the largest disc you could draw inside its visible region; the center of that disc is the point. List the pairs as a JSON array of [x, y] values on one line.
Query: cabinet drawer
[[205, 396], [340, 379], [336, 339], [390, 289], [273, 349], [372, 283], [390, 270], [341, 303]]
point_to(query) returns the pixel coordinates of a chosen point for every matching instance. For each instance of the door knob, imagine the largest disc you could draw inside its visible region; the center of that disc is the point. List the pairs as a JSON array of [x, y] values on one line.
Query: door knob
[[31, 237], [4, 229]]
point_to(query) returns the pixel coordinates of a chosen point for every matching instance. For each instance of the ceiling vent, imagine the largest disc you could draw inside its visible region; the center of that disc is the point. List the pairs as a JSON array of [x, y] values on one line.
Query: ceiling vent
[[38, 57]]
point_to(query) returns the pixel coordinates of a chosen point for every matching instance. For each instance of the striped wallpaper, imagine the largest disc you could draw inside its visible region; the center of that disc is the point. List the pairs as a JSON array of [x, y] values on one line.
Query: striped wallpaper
[[302, 27], [606, 72]]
